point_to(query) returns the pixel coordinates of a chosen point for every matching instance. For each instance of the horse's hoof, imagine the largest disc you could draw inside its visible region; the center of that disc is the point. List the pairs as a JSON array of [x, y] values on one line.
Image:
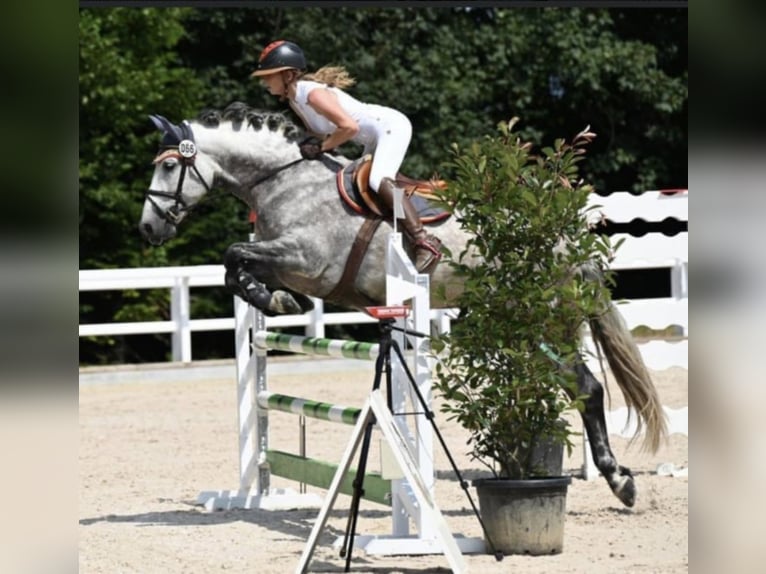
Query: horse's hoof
[[624, 488], [283, 303], [256, 293]]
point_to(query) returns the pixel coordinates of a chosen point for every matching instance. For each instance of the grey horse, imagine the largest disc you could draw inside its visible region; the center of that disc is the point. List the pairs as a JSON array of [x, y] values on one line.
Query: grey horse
[[304, 235]]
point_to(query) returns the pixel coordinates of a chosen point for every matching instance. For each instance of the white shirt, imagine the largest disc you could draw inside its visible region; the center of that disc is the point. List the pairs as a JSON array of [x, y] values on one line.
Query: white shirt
[[375, 122]]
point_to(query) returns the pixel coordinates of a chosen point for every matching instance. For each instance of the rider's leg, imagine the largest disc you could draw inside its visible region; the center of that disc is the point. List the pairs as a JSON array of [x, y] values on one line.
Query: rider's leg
[[426, 246], [393, 137]]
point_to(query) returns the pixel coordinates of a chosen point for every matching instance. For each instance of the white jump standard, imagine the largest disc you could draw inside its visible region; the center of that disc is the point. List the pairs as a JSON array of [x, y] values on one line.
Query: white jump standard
[[258, 462]]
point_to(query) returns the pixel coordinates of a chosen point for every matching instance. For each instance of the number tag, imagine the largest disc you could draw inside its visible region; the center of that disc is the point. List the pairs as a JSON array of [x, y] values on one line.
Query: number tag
[[187, 148]]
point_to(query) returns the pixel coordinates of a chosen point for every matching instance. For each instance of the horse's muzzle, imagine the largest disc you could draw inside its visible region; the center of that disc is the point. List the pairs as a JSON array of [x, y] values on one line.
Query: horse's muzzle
[[155, 237]]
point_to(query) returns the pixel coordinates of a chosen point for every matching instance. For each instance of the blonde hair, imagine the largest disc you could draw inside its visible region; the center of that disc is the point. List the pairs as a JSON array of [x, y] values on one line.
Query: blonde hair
[[333, 76]]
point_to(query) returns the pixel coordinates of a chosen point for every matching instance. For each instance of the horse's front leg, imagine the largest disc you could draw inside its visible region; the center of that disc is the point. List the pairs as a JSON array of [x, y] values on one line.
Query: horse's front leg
[[618, 477], [254, 282]]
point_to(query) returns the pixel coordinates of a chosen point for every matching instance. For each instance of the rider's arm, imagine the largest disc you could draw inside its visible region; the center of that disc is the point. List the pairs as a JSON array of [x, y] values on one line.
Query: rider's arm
[[326, 103]]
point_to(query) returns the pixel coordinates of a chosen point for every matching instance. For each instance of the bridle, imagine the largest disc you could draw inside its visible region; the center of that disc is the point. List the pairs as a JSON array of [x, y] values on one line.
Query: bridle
[[186, 153]]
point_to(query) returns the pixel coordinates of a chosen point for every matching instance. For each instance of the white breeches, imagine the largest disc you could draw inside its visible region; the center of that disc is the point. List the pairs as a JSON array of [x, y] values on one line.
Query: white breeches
[[393, 132]]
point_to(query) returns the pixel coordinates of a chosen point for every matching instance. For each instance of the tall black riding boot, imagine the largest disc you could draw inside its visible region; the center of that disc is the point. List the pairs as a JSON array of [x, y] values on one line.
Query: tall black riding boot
[[427, 246]]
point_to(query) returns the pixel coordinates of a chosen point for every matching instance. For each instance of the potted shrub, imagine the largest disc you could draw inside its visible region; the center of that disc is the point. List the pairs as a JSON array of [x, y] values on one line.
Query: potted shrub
[[522, 306]]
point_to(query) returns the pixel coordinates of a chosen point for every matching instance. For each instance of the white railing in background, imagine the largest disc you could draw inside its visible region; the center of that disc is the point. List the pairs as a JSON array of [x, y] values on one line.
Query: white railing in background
[[181, 326], [649, 251], [179, 280], [653, 250]]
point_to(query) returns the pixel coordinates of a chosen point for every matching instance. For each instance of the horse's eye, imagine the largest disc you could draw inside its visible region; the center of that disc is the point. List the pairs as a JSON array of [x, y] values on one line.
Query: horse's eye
[[169, 163]]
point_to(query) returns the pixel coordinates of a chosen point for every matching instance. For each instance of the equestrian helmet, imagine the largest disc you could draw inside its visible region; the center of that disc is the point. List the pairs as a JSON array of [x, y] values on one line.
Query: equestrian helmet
[[280, 55]]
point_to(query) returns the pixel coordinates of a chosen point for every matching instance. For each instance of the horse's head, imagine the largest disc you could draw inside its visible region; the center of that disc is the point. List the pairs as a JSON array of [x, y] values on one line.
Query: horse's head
[[182, 176]]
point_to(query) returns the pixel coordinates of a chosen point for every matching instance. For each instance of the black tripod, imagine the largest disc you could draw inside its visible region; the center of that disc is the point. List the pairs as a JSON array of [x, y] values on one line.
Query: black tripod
[[383, 365]]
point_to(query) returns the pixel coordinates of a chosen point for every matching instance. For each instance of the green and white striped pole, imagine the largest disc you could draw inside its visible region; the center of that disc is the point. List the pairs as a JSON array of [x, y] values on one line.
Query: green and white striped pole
[[312, 409], [314, 346]]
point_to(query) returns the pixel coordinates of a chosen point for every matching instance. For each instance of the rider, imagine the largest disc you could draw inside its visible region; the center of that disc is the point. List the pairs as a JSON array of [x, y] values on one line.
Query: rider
[[329, 112]]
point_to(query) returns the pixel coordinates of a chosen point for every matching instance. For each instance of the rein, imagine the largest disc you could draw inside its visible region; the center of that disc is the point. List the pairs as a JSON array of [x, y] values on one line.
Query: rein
[[274, 172]]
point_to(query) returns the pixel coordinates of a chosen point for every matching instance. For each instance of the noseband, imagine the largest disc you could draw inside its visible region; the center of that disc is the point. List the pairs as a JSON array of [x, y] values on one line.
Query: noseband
[[186, 153]]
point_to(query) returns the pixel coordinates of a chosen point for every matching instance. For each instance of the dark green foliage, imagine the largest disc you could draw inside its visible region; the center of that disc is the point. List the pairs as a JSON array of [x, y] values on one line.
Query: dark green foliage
[[522, 302], [129, 68], [456, 72]]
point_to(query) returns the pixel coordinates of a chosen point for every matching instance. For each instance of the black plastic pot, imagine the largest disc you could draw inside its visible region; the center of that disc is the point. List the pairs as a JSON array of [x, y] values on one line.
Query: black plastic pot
[[524, 516]]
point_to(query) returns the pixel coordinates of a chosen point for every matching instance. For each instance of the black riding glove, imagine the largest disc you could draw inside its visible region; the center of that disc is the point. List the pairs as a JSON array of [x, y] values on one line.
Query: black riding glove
[[311, 148]]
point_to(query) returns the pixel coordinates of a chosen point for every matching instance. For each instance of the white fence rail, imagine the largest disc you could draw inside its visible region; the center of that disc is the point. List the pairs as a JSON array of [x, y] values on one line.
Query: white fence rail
[[649, 251], [653, 250], [180, 280]]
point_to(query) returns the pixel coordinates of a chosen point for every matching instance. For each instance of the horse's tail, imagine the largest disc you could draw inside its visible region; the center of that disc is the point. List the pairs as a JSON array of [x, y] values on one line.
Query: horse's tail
[[612, 335]]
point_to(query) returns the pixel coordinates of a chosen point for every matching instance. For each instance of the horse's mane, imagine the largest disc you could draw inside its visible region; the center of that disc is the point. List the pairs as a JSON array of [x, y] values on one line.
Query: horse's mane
[[239, 114]]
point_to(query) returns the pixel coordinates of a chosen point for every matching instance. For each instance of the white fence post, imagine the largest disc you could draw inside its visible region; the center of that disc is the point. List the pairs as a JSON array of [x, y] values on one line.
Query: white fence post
[[180, 315], [315, 327], [679, 280]]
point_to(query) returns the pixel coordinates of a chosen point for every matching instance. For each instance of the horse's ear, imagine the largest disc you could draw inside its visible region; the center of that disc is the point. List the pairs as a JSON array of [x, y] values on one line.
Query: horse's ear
[[173, 133], [160, 122]]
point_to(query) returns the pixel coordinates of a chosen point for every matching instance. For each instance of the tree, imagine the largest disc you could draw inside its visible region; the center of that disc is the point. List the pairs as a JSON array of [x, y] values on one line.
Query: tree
[[128, 69]]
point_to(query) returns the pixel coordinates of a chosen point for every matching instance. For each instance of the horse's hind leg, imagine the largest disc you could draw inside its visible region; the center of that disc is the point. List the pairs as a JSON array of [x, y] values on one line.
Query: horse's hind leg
[[619, 477]]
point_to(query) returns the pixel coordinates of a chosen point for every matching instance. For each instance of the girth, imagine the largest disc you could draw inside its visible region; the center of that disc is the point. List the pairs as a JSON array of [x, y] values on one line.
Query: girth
[[345, 290]]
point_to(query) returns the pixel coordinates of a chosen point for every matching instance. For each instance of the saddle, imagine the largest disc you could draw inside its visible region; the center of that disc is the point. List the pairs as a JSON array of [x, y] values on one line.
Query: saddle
[[354, 190]]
